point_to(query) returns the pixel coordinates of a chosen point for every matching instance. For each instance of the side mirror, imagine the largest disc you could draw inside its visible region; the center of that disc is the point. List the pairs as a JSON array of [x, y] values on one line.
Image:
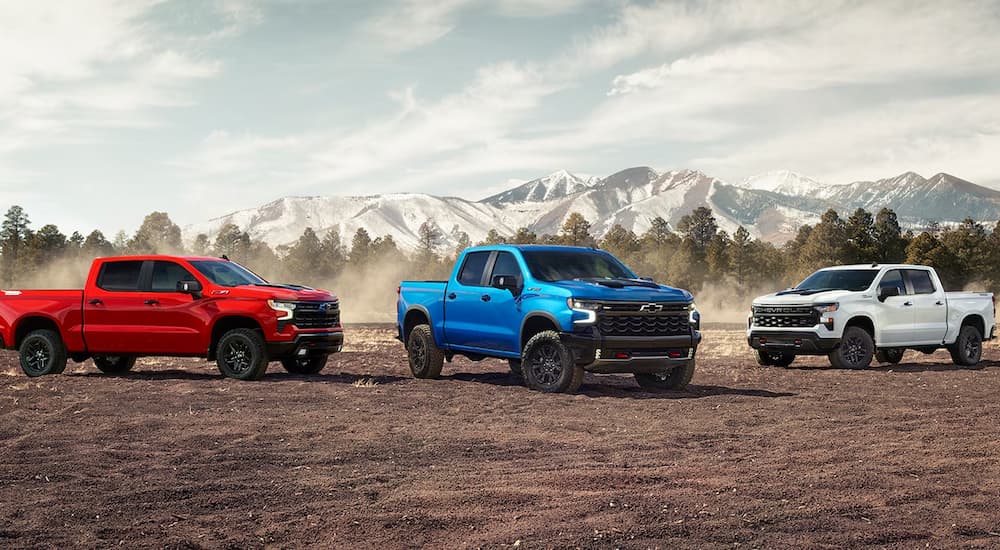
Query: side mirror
[[887, 292], [507, 282], [189, 287]]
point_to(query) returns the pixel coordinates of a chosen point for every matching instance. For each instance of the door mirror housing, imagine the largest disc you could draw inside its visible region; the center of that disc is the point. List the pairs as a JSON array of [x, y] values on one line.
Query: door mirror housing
[[189, 287], [507, 282], [887, 292]]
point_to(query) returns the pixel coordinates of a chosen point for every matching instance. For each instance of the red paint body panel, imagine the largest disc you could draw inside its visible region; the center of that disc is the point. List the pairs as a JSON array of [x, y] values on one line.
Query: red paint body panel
[[146, 322]]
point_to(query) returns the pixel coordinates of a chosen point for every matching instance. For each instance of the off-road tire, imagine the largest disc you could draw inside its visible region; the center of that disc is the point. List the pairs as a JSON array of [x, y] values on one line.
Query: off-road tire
[[426, 359], [42, 352], [515, 367], [675, 379], [889, 355], [773, 358], [114, 364], [855, 351], [311, 364], [548, 365], [968, 347], [241, 354]]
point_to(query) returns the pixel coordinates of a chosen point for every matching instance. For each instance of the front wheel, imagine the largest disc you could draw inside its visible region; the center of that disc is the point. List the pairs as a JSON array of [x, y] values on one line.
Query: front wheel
[[889, 355], [241, 354], [855, 351], [42, 352], [968, 347], [675, 379], [548, 365], [114, 364], [305, 365], [426, 359]]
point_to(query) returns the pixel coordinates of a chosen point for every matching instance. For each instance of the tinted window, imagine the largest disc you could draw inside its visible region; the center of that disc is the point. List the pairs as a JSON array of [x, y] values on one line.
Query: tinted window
[[920, 280], [506, 265], [839, 279], [893, 279], [566, 265], [120, 276], [472, 269], [225, 273], [166, 276]]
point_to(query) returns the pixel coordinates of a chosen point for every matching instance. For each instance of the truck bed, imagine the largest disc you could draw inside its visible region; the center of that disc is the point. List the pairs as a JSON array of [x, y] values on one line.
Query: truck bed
[[65, 307]]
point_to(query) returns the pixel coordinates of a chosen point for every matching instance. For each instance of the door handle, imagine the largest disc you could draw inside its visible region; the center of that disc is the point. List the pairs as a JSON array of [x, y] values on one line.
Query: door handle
[[452, 296], [939, 303], [486, 298], [95, 302], [152, 302], [907, 303]]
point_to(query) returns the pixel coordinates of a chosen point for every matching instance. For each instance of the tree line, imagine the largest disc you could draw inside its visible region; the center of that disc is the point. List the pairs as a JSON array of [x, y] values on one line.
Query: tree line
[[691, 255]]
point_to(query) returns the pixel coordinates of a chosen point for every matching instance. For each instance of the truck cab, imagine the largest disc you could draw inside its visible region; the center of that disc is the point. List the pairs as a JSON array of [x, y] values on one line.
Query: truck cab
[[552, 312], [855, 313]]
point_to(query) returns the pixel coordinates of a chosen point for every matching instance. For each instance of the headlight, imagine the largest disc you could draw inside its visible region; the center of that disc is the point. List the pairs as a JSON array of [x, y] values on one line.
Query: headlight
[[826, 308], [284, 310], [694, 317], [584, 312]]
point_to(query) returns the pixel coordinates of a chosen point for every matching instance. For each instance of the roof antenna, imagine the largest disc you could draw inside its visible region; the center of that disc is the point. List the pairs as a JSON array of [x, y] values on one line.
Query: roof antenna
[[224, 257], [874, 264]]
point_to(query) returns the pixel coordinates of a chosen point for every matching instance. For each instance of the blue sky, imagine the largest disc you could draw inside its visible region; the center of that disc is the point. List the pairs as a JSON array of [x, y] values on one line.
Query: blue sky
[[110, 110]]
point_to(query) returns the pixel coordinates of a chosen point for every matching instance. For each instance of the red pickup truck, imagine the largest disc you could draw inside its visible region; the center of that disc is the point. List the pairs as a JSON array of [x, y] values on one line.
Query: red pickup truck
[[175, 306]]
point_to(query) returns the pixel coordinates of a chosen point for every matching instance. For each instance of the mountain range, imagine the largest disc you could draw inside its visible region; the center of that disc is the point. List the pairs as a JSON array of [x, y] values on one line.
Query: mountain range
[[771, 206]]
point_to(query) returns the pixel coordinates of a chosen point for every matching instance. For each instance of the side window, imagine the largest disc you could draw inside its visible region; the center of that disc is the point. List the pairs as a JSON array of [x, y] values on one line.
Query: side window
[[167, 274], [120, 276], [892, 279], [472, 269], [506, 265], [920, 280]]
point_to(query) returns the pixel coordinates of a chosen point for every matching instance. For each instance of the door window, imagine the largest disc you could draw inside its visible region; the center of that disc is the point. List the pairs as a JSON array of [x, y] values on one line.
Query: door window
[[472, 269], [506, 265], [893, 279], [166, 275], [120, 276], [920, 281]]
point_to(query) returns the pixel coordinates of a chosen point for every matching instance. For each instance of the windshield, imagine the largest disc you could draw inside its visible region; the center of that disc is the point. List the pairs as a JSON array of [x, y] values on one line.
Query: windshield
[[225, 273], [839, 279], [565, 265]]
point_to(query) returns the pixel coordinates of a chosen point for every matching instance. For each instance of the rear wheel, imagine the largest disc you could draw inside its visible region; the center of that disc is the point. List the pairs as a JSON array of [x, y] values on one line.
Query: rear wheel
[[855, 351], [305, 365], [114, 364], [968, 347], [241, 354], [889, 355], [42, 352], [676, 379], [426, 359], [549, 366]]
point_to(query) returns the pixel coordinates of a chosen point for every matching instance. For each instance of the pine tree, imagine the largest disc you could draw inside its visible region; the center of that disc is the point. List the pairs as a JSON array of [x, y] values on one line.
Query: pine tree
[[157, 235], [232, 243], [741, 256], [861, 243], [621, 242], [700, 226], [96, 246], [576, 231], [302, 256], [14, 236], [524, 236], [890, 245], [361, 247], [333, 255], [827, 243]]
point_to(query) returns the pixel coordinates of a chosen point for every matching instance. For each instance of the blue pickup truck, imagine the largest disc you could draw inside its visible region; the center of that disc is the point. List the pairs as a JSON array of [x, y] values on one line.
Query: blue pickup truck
[[553, 312]]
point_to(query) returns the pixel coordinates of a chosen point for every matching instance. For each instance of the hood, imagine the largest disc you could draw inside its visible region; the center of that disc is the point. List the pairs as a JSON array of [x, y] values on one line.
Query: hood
[[274, 292], [789, 299], [586, 290]]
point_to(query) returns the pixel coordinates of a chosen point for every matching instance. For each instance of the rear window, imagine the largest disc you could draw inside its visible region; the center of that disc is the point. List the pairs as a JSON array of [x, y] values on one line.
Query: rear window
[[472, 269], [120, 276]]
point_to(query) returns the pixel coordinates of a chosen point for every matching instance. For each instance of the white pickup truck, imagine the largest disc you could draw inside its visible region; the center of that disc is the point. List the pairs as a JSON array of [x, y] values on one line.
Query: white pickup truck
[[855, 312]]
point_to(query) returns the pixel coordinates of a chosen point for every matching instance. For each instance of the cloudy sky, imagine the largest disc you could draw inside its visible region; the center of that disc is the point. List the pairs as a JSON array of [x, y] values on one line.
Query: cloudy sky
[[110, 110]]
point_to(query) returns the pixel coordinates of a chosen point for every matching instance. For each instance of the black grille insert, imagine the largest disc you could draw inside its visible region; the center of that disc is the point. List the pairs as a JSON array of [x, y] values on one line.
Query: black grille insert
[[785, 316], [316, 314], [643, 319]]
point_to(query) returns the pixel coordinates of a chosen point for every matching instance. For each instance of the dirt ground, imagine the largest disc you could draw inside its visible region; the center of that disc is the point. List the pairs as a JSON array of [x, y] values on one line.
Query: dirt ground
[[363, 455]]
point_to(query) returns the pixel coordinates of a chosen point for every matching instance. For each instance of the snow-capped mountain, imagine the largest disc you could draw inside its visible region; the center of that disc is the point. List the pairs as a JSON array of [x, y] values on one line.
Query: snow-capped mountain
[[771, 206]]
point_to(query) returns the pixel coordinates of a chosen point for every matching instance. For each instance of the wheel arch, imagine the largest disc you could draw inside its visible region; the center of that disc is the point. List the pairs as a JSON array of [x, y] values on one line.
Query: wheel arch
[[535, 322], [224, 324], [864, 322], [416, 315], [31, 323], [975, 320]]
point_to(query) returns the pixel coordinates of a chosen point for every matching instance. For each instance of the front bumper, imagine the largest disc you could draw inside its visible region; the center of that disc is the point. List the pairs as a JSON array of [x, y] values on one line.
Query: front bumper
[[306, 344], [631, 354], [799, 343]]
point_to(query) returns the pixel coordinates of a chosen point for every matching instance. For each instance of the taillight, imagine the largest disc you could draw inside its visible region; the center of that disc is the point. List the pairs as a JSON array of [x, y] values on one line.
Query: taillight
[[399, 289]]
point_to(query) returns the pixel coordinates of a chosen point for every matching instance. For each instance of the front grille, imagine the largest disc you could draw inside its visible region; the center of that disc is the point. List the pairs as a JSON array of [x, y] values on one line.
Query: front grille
[[316, 314], [643, 319], [785, 316]]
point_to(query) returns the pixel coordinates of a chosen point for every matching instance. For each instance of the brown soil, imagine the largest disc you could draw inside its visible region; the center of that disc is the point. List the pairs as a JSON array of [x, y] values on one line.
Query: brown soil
[[173, 455]]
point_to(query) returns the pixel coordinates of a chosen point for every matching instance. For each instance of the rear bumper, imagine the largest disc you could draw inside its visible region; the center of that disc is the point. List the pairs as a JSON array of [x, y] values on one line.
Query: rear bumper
[[306, 344], [799, 343], [631, 354]]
